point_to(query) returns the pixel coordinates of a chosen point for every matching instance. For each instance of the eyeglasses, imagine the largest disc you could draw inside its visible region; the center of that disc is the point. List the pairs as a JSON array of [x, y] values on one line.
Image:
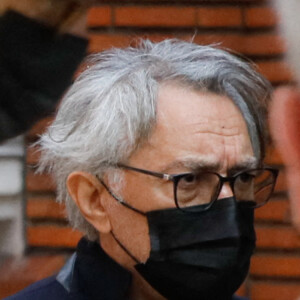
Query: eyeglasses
[[199, 190]]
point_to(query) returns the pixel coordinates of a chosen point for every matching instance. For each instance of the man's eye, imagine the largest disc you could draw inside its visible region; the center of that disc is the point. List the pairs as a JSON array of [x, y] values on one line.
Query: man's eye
[[188, 182], [246, 177], [189, 178]]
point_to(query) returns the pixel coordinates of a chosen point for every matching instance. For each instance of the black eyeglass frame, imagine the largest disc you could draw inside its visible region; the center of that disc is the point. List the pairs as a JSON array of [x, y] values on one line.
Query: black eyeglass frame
[[231, 179]]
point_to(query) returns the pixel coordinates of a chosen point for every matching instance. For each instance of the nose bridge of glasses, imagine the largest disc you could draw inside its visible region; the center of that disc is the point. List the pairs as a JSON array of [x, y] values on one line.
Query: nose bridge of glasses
[[226, 189]]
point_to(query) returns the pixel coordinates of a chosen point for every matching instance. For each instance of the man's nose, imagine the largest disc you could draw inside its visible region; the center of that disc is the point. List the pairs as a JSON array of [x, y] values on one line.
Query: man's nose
[[226, 191]]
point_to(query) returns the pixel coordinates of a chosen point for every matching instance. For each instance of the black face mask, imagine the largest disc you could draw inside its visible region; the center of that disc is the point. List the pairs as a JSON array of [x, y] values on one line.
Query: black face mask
[[203, 255]]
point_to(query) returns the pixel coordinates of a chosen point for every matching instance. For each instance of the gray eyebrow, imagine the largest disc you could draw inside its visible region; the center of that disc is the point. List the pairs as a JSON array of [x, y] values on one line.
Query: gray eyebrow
[[194, 165], [204, 164], [247, 164]]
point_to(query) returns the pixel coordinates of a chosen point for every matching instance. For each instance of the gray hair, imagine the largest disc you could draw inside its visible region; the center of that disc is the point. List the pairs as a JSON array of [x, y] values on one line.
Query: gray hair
[[111, 108]]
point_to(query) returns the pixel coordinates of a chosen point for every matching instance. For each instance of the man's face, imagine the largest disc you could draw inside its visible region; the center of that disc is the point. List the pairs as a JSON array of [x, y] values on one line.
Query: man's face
[[194, 130]]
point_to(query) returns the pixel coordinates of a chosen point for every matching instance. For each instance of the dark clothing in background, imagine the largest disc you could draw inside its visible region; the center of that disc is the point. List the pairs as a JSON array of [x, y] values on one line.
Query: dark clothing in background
[[36, 67], [90, 274]]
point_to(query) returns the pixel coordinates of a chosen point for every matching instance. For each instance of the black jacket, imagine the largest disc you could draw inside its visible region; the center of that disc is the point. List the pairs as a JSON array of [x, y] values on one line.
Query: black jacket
[[90, 274]]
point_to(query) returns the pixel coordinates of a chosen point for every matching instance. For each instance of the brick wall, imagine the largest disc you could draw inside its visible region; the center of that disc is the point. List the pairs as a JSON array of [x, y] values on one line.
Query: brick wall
[[246, 26]]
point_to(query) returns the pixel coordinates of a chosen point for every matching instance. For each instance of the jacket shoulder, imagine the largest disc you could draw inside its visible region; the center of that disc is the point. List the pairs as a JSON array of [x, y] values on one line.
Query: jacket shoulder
[[45, 289]]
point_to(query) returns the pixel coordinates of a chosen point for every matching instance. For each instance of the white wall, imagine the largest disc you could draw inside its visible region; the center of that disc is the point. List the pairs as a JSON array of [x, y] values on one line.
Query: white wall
[[12, 202]]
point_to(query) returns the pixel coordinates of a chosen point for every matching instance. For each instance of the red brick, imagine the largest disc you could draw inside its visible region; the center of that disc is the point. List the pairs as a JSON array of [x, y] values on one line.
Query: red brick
[[281, 185], [18, 273], [219, 17], [260, 44], [273, 157], [275, 290], [277, 237], [39, 207], [52, 236], [32, 155], [100, 42], [275, 71], [99, 16], [260, 16], [275, 210], [226, 40], [162, 16], [263, 44], [39, 182], [275, 265], [157, 37]]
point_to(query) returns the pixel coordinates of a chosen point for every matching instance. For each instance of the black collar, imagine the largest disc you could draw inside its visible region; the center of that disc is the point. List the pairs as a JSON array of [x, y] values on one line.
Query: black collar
[[92, 274]]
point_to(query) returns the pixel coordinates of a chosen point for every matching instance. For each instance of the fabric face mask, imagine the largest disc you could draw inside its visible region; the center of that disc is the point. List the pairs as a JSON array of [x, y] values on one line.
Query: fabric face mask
[[203, 255]]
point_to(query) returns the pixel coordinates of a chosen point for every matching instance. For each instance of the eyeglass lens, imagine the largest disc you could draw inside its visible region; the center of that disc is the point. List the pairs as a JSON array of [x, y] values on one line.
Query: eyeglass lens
[[254, 187]]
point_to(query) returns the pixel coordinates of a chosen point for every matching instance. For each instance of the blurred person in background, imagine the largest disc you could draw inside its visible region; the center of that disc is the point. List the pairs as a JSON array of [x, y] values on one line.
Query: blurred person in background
[[285, 109], [158, 152], [42, 43]]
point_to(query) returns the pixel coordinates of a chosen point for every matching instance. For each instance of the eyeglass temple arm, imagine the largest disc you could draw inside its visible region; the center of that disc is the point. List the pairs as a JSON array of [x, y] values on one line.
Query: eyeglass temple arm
[[155, 174], [118, 199]]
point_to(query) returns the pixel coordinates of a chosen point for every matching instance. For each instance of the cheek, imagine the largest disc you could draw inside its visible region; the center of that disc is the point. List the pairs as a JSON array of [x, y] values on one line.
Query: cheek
[[131, 229], [147, 193]]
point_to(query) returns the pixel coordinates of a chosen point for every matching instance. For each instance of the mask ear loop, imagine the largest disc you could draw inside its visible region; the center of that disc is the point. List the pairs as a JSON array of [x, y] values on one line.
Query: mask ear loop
[[129, 207], [123, 247], [120, 200]]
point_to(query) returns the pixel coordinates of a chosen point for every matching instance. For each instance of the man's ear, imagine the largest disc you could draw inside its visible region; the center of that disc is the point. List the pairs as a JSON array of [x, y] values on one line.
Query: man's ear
[[87, 192]]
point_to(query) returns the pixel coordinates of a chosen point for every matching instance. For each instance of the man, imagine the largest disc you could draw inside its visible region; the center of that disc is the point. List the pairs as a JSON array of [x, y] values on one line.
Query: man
[[158, 154], [285, 109]]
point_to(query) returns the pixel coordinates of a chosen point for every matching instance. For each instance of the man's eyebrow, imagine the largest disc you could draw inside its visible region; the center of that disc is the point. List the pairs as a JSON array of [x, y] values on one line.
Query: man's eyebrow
[[249, 163], [208, 164], [193, 165]]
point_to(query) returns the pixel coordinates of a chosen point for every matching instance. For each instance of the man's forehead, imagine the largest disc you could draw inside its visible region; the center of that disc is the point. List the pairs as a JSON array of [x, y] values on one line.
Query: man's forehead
[[210, 163], [174, 98], [182, 109], [208, 126]]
